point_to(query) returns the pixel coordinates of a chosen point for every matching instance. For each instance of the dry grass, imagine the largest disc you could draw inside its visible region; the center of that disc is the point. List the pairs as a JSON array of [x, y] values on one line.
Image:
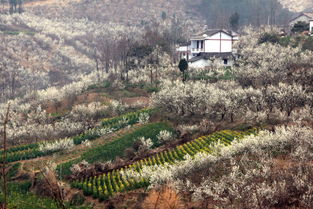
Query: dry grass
[[164, 198]]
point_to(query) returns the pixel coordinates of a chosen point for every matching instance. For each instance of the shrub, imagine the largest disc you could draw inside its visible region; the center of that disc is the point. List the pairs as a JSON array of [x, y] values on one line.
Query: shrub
[[143, 118], [165, 136], [308, 44], [145, 143], [60, 145], [300, 27], [269, 38]]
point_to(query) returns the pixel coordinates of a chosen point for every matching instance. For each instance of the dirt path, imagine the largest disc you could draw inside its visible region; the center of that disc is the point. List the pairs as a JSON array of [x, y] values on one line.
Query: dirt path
[[133, 101]]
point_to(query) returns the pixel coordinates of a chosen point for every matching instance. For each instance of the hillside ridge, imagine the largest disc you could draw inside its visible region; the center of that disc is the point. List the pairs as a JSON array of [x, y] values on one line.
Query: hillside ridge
[[297, 5]]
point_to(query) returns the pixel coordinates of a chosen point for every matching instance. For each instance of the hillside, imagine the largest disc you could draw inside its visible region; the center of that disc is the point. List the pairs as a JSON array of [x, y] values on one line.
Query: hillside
[[98, 110], [131, 12], [140, 12], [104, 141], [297, 5]]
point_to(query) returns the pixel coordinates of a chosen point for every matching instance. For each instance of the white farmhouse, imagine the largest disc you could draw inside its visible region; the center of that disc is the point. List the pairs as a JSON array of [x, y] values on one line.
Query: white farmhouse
[[212, 41], [208, 46], [311, 27]]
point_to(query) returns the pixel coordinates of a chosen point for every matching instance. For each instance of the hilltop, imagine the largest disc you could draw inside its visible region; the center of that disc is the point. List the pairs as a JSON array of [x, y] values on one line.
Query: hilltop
[[99, 111], [297, 5], [131, 12]]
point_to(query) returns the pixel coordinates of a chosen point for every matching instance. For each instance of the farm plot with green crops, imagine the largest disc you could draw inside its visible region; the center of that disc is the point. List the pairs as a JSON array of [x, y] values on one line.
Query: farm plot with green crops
[[116, 148], [108, 184], [31, 151]]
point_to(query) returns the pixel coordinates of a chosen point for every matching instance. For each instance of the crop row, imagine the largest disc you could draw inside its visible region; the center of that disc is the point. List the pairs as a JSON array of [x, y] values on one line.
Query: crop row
[[114, 124], [30, 151], [116, 148], [105, 185]]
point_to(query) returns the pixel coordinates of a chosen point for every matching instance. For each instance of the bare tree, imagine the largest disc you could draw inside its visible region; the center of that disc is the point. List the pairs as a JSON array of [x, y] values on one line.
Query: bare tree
[[124, 48], [53, 186], [3, 3], [4, 159], [273, 10], [103, 52]]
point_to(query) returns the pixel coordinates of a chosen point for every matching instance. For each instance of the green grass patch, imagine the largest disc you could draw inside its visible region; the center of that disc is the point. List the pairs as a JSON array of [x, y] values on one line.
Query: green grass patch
[[31, 151], [13, 170], [99, 86], [15, 33], [21, 198], [152, 89], [117, 147]]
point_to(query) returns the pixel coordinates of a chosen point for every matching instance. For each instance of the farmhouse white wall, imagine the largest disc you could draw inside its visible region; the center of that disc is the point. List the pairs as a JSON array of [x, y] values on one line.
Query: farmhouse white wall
[[216, 43], [219, 42], [311, 27], [202, 63]]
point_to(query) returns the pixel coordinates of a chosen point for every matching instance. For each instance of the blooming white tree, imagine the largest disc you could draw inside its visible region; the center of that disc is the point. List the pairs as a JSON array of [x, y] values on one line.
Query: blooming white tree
[[165, 136], [265, 64], [145, 143], [60, 145]]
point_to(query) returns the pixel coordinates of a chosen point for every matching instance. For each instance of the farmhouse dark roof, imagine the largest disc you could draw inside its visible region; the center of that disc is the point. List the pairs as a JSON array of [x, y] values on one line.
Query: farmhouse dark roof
[[210, 32], [206, 56], [307, 14]]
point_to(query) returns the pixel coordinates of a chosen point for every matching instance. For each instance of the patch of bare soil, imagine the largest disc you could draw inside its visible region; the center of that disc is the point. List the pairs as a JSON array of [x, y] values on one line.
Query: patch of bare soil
[[67, 103], [283, 162], [129, 200], [145, 101]]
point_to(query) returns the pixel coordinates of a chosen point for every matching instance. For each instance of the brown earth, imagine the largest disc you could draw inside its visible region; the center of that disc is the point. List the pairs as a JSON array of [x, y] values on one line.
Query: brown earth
[[66, 104]]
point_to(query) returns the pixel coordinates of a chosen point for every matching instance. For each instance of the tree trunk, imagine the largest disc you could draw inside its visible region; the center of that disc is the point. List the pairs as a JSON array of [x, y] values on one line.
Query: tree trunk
[[4, 159]]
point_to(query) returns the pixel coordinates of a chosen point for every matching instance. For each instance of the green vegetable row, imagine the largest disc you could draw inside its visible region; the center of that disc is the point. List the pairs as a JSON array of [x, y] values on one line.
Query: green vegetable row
[[25, 152], [116, 148], [108, 184]]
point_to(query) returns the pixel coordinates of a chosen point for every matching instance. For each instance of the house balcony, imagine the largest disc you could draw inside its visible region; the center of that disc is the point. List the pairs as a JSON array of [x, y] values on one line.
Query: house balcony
[[197, 50]]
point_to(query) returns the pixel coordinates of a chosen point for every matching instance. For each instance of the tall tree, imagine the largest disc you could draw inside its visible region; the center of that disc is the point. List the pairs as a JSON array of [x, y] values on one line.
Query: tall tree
[[4, 159], [183, 67], [234, 21], [15, 6]]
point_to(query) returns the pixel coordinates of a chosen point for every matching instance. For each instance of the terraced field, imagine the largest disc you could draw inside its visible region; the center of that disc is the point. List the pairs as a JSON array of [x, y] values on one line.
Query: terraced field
[[105, 185], [109, 125]]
